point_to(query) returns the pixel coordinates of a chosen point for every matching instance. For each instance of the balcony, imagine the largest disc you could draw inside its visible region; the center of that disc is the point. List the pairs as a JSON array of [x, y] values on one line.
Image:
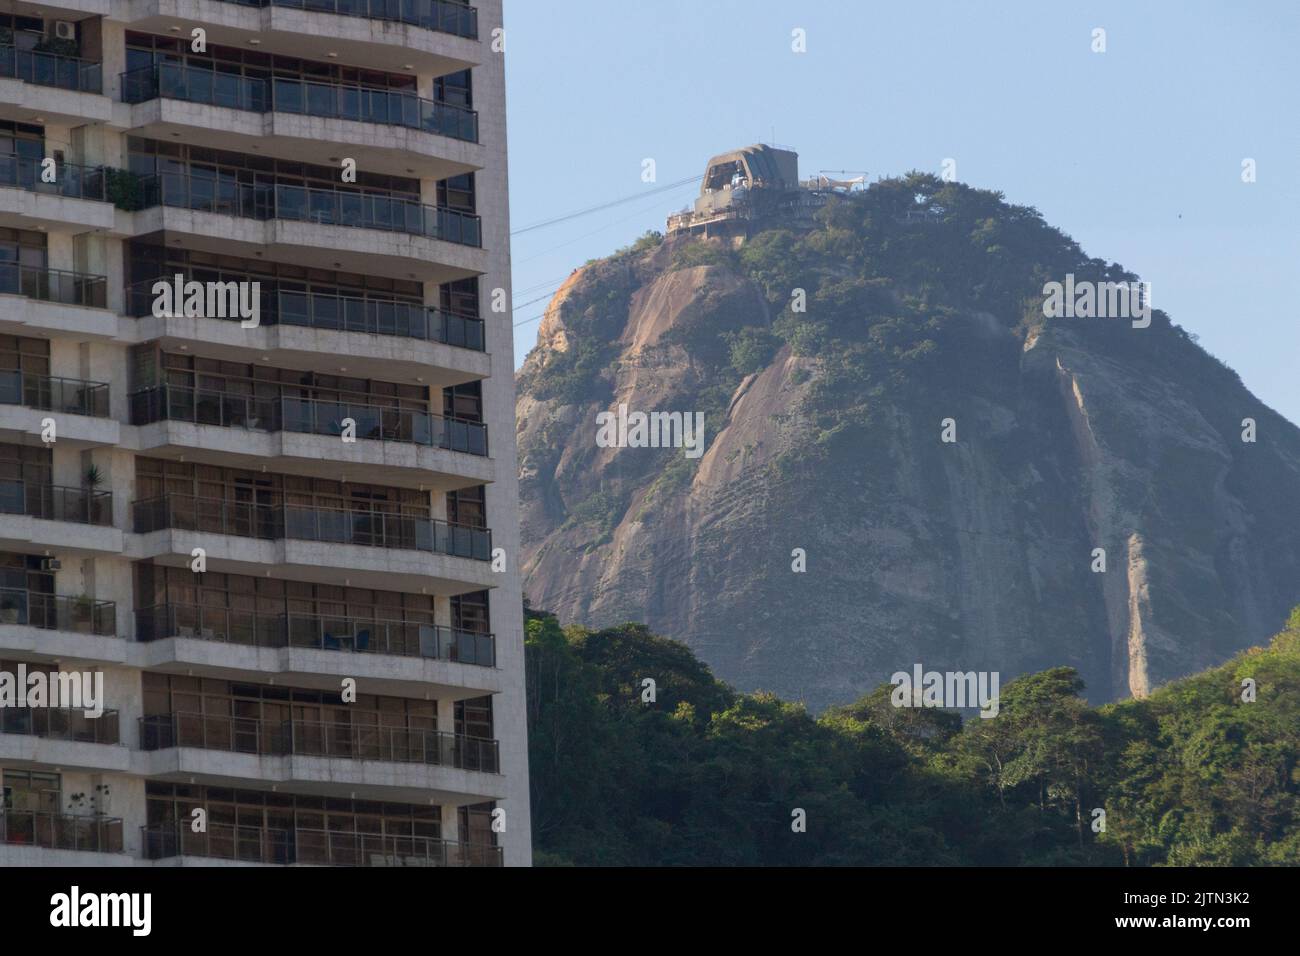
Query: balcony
[[54, 285], [56, 502], [312, 847], [54, 301], [315, 632], [57, 627], [48, 393], [377, 233], [57, 831], [49, 69], [445, 16], [383, 338], [57, 612], [58, 89], [62, 737], [25, 399], [403, 447], [370, 529], [77, 197], [310, 738], [301, 543], [315, 651], [385, 131], [357, 104], [426, 37], [342, 313], [175, 403], [61, 723], [266, 201], [71, 520]]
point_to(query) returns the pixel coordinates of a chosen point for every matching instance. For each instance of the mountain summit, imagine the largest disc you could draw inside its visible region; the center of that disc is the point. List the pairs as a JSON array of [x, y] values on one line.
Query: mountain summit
[[891, 401]]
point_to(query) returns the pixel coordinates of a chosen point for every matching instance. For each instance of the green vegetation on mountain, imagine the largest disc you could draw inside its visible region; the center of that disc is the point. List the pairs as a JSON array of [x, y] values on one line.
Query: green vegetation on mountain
[[1192, 775]]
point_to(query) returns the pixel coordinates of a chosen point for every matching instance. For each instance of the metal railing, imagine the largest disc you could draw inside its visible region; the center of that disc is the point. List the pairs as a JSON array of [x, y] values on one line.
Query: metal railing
[[317, 632], [56, 502], [283, 846], [313, 738], [372, 529], [445, 16], [53, 285], [179, 403], [61, 723], [205, 84], [51, 69], [70, 180], [57, 612], [53, 394], [339, 313], [57, 831], [327, 207]]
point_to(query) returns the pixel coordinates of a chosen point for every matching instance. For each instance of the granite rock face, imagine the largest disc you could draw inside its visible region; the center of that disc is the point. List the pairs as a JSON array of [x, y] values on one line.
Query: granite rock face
[[823, 433]]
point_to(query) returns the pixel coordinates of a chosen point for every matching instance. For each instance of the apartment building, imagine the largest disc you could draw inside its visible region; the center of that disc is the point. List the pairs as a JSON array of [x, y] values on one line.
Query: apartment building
[[279, 517]]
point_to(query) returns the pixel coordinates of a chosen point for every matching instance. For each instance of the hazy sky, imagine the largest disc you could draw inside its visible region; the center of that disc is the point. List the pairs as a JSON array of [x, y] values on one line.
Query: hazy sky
[[1136, 152]]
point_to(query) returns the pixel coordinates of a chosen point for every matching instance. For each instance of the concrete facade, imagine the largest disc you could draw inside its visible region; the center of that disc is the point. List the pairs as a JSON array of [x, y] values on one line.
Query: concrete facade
[[95, 551]]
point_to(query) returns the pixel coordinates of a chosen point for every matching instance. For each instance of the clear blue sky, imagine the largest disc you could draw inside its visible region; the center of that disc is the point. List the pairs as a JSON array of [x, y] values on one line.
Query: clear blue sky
[[1135, 152]]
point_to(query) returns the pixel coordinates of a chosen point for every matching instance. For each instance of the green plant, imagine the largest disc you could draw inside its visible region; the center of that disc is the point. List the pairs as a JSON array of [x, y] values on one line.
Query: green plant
[[94, 477], [124, 189]]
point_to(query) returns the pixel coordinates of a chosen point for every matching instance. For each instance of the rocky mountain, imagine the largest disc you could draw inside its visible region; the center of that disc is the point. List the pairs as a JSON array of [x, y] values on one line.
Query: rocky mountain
[[825, 418]]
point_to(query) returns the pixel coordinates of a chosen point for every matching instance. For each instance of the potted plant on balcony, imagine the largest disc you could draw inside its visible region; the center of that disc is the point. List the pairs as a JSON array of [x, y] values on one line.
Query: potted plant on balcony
[[93, 479], [123, 189]]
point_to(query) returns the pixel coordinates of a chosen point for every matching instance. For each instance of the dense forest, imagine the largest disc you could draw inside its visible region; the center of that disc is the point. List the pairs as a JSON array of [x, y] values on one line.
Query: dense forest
[[1195, 774]]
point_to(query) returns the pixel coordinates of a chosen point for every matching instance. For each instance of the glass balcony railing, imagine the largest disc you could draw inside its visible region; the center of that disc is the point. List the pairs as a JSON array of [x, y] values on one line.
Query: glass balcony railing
[[70, 180], [316, 632], [57, 831], [52, 394], [302, 845], [340, 313], [326, 207], [51, 69], [372, 529], [58, 612], [56, 502], [318, 739], [305, 416], [209, 86], [53, 285], [446, 16], [61, 723]]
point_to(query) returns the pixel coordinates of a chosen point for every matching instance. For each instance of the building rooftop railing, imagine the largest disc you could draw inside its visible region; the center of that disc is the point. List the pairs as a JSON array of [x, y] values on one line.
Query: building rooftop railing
[[206, 85], [57, 831], [340, 313], [316, 632], [56, 502], [373, 529], [326, 207], [61, 723], [53, 285], [51, 69], [58, 612], [51, 393], [303, 845], [70, 180], [318, 739], [445, 16]]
